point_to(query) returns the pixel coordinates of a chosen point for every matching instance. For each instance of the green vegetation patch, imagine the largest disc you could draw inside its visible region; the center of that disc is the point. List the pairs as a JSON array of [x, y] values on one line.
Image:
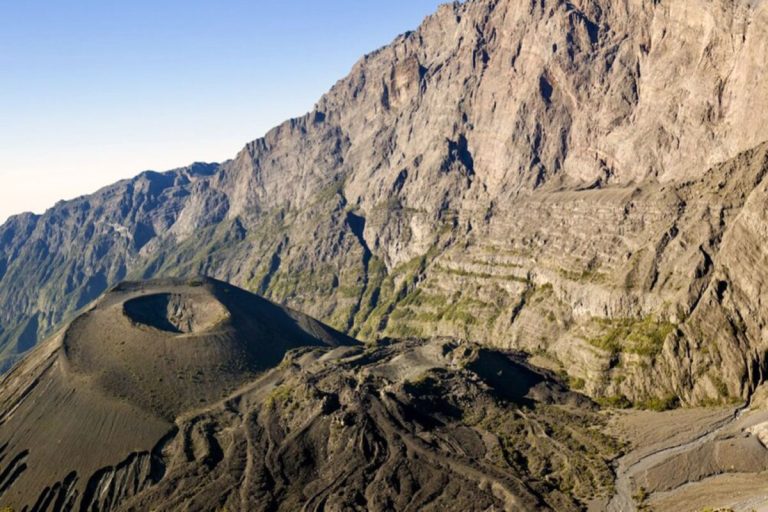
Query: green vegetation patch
[[586, 275], [576, 383], [317, 282], [615, 402], [564, 449], [644, 336], [480, 275], [279, 396], [660, 404]]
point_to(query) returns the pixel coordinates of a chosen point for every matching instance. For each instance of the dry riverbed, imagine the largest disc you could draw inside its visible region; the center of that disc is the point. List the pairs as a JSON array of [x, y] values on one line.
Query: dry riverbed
[[692, 460]]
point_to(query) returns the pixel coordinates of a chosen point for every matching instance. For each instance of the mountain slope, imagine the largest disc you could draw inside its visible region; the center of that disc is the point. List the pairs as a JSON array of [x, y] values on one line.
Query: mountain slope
[[93, 402], [196, 395], [576, 179]]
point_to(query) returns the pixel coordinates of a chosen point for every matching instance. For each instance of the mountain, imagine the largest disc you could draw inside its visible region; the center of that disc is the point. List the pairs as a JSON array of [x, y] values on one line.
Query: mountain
[[195, 395], [583, 181]]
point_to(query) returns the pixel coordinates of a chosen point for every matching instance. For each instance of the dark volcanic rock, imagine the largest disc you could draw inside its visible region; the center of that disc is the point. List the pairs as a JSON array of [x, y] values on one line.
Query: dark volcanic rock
[[195, 395]]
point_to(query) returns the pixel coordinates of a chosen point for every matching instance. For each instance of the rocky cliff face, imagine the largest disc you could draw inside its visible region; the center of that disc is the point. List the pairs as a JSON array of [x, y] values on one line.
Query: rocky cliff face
[[582, 180]]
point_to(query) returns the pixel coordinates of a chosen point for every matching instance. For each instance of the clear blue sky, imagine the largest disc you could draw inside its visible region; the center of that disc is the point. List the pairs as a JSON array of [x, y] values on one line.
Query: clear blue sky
[[94, 91]]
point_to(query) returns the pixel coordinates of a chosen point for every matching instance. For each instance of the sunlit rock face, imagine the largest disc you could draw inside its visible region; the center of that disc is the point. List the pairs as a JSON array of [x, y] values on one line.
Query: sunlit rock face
[[580, 180]]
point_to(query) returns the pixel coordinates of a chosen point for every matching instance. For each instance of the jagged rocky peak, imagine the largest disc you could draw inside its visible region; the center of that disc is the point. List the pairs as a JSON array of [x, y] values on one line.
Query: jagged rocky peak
[[583, 90]]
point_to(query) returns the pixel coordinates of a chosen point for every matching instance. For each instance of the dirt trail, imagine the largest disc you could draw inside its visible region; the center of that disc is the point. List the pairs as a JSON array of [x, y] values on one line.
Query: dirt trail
[[622, 500]]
